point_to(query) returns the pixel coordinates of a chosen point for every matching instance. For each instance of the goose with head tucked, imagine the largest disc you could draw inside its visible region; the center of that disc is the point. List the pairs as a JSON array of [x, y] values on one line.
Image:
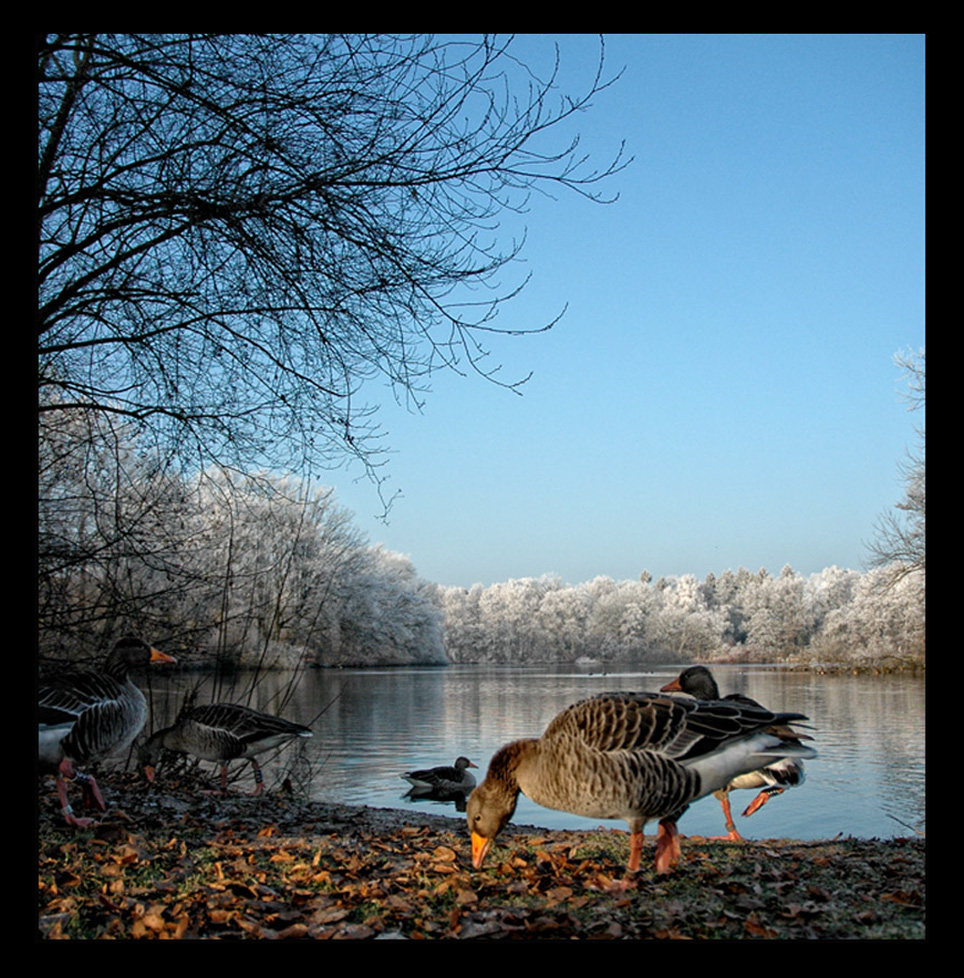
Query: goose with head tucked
[[634, 756], [88, 716], [442, 780], [222, 732], [774, 779]]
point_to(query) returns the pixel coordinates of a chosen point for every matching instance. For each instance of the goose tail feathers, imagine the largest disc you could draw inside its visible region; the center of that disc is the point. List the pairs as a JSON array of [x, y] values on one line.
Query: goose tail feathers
[[717, 769]]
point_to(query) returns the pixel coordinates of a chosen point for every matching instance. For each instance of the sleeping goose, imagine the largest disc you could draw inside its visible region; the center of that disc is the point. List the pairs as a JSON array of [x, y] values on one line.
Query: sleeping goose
[[87, 716], [443, 780], [774, 779], [221, 732], [636, 756]]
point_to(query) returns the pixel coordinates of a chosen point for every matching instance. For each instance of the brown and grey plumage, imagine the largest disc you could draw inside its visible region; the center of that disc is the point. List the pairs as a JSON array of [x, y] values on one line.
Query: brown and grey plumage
[[635, 756], [774, 779], [84, 717], [443, 779], [222, 732]]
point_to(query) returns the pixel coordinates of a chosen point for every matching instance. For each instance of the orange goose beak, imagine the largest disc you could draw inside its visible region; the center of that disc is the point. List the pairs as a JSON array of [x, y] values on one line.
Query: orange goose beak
[[480, 846]]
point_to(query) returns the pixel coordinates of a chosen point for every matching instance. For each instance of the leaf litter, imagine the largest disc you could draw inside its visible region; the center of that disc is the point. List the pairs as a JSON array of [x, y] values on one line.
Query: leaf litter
[[172, 865]]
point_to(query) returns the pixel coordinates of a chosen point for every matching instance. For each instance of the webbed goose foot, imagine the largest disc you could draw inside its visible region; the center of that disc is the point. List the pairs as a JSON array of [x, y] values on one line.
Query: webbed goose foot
[[761, 799]]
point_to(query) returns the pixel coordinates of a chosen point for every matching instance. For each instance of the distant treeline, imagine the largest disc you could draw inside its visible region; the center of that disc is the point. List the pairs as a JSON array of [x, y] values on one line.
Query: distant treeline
[[834, 616], [256, 568]]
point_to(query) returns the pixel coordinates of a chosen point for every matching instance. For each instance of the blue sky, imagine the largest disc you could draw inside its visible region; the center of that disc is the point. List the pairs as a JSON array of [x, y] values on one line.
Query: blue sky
[[721, 391]]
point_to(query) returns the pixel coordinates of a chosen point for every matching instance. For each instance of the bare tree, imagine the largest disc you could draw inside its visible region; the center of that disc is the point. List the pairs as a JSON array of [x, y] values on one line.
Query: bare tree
[[900, 541], [237, 231]]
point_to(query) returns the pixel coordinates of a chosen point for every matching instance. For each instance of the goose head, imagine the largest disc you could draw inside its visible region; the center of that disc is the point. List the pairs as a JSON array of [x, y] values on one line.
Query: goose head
[[698, 681], [488, 810], [129, 653], [493, 802]]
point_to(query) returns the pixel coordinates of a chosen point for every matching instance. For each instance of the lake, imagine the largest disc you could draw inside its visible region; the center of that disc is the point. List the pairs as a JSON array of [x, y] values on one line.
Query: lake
[[370, 725]]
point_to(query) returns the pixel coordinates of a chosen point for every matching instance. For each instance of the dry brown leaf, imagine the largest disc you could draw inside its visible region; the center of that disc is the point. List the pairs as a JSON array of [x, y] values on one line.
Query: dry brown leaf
[[399, 903], [331, 915], [759, 930], [558, 894], [153, 921], [902, 897]]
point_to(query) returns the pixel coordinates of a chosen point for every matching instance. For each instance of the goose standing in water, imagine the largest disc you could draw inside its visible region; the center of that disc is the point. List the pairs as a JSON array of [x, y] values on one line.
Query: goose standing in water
[[774, 778], [442, 780], [221, 732], [635, 756], [85, 717]]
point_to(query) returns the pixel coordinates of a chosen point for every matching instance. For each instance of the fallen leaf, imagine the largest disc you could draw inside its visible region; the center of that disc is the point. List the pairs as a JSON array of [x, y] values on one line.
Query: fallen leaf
[[900, 896], [759, 930]]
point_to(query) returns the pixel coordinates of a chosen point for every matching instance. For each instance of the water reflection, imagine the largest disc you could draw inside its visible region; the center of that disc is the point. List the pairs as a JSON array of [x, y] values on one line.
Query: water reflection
[[373, 725]]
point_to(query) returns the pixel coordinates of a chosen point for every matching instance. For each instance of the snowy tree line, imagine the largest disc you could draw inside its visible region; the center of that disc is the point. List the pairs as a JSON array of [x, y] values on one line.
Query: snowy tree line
[[836, 615], [257, 568], [249, 568]]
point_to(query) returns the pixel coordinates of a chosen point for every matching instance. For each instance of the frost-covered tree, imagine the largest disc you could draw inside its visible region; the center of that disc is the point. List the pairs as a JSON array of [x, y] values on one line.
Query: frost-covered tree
[[276, 549], [249, 568], [885, 619], [466, 637], [900, 540], [685, 628], [116, 530], [830, 589], [385, 615], [563, 617]]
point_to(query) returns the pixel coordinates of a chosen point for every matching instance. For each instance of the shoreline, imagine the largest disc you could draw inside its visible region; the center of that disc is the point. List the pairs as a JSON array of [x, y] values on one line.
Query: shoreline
[[175, 864]]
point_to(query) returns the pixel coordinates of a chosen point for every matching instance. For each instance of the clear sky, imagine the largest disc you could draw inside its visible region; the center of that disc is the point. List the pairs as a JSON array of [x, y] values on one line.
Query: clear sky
[[721, 390]]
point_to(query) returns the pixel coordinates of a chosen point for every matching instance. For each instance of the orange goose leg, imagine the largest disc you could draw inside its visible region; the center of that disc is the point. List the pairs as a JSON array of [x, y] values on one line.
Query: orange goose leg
[[258, 777], [66, 770], [733, 835]]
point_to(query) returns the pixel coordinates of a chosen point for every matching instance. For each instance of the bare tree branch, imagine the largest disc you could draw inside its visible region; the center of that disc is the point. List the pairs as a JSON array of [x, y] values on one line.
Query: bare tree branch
[[900, 539], [237, 231]]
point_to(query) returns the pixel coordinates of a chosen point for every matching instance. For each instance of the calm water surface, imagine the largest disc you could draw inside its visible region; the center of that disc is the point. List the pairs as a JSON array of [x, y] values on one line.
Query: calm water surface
[[370, 725]]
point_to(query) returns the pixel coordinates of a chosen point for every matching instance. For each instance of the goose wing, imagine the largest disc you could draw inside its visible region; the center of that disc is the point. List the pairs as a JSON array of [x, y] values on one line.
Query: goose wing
[[442, 778], [675, 727], [88, 716], [230, 730]]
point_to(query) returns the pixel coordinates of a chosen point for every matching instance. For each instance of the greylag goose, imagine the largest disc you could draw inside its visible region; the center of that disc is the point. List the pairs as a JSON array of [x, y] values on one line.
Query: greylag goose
[[636, 756], [774, 779], [221, 732], [443, 780], [88, 716]]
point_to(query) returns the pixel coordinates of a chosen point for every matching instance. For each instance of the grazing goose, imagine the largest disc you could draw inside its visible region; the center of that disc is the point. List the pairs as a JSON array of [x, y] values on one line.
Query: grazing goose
[[774, 779], [636, 756], [442, 780], [87, 716], [221, 732]]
